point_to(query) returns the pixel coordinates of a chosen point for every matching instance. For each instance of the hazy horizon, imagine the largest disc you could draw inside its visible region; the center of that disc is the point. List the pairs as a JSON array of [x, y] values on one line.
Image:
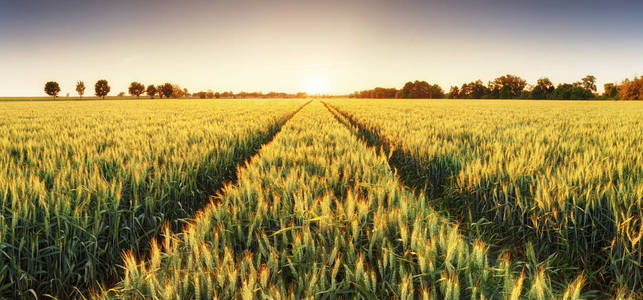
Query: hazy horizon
[[334, 46]]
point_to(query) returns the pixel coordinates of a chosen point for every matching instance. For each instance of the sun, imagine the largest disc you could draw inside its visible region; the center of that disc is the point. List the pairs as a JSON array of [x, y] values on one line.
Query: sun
[[316, 84]]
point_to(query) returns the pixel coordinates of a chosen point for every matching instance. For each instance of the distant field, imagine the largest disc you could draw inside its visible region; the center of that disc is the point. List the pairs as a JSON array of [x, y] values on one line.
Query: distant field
[[255, 198]]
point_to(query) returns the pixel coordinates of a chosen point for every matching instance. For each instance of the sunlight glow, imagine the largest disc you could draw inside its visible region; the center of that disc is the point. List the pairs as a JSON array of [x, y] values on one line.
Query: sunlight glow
[[316, 84]]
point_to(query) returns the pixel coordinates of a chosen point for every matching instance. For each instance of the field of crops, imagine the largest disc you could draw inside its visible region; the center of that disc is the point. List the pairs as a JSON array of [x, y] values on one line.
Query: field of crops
[[565, 177], [344, 198], [318, 214], [82, 182]]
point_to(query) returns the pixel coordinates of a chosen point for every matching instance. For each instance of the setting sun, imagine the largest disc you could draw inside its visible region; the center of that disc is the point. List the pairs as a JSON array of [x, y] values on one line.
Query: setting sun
[[316, 84]]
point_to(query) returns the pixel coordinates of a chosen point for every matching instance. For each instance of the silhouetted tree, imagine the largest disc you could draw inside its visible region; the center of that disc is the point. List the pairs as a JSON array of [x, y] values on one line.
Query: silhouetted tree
[[136, 89], [166, 90], [568, 91], [589, 83], [454, 93], [543, 89], [177, 91], [406, 91], [508, 86], [420, 90], [101, 88], [52, 88], [474, 90], [80, 88], [611, 90], [151, 91], [377, 93], [631, 89]]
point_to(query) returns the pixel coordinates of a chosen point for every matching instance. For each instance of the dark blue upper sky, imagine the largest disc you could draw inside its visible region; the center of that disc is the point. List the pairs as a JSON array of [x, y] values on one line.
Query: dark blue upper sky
[[272, 45]]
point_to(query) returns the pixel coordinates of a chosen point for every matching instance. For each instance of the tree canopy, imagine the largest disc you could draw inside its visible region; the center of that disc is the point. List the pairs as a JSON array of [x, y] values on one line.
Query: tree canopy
[[101, 88], [151, 91], [52, 88], [136, 89], [80, 88]]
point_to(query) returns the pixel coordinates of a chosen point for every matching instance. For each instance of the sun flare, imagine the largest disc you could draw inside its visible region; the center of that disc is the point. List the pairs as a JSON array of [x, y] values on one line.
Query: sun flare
[[316, 84]]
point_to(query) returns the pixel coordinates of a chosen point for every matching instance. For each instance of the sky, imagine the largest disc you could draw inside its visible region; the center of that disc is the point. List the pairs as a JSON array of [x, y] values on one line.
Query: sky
[[330, 46]]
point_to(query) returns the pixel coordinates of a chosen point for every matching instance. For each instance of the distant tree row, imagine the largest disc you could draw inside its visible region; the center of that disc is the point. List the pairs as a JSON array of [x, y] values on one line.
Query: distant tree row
[[102, 89], [513, 87], [627, 90], [411, 90], [216, 95], [167, 90]]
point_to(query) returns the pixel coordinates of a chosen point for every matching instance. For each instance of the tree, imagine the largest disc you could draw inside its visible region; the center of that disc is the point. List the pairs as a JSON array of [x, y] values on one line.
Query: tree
[[151, 91], [611, 90], [454, 93], [543, 89], [406, 91], [474, 90], [217, 95], [166, 90], [419, 90], [52, 88], [568, 91], [506, 92], [101, 88], [508, 86], [589, 83], [210, 94], [377, 93], [631, 89], [80, 88], [136, 89], [121, 94], [177, 91]]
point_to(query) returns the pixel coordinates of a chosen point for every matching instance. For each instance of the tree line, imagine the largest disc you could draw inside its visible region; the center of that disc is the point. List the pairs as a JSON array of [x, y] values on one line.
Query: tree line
[[513, 87], [216, 95], [167, 90]]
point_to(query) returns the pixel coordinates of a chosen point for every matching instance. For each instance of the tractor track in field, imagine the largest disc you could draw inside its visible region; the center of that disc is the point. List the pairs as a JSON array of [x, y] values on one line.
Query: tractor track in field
[[408, 170], [231, 178], [498, 238], [232, 175]]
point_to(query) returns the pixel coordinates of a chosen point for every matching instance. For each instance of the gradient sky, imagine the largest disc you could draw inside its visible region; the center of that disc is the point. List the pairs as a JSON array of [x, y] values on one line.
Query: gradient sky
[[261, 45]]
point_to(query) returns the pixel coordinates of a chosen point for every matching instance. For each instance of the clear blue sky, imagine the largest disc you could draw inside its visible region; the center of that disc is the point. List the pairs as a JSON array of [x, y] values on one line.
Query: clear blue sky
[[335, 46]]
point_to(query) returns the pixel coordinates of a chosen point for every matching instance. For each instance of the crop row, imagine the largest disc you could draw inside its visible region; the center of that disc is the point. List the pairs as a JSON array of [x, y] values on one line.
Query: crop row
[[82, 182], [318, 214], [566, 178]]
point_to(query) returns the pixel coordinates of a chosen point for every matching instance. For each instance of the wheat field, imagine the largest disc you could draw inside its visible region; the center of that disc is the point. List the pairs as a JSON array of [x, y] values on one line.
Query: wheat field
[[333, 198]]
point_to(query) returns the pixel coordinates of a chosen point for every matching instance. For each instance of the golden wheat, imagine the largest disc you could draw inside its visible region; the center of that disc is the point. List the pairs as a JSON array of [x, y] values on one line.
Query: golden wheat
[[81, 182]]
